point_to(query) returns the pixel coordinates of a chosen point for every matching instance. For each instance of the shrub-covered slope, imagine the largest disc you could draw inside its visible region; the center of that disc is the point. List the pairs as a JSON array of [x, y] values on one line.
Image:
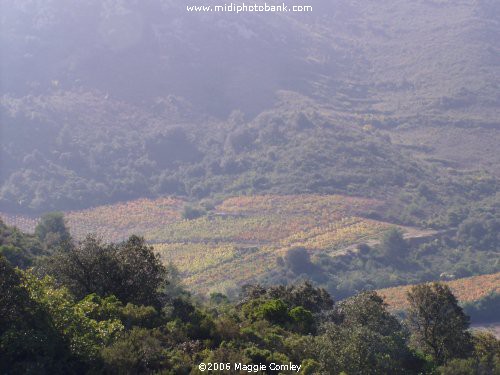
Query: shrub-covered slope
[[106, 102]]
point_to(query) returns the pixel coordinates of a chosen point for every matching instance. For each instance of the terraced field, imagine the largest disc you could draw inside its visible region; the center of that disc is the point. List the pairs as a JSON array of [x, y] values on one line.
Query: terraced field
[[242, 237], [236, 242], [113, 222], [468, 289]]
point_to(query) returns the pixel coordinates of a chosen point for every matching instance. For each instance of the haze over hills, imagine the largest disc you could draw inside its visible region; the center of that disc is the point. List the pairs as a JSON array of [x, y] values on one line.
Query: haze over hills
[[109, 101], [399, 58]]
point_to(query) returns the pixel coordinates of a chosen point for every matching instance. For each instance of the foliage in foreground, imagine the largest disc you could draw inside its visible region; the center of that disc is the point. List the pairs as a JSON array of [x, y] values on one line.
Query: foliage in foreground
[[61, 324]]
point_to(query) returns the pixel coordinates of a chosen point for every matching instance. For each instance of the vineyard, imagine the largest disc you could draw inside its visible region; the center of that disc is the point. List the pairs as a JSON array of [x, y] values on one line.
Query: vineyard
[[237, 241], [469, 289], [112, 222], [242, 237], [25, 223]]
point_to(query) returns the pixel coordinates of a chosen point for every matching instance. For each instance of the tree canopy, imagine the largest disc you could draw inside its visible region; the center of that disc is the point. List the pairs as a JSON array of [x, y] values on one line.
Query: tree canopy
[[439, 325], [129, 270]]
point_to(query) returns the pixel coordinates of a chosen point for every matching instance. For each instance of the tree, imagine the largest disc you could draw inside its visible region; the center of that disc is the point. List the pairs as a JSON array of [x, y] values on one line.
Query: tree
[[303, 294], [460, 367], [13, 298], [191, 213], [52, 229], [30, 343], [482, 233], [366, 339], [17, 247], [273, 310], [393, 244], [487, 352], [138, 351], [359, 350], [302, 122], [369, 310], [298, 260], [130, 270], [303, 320], [438, 323], [72, 319]]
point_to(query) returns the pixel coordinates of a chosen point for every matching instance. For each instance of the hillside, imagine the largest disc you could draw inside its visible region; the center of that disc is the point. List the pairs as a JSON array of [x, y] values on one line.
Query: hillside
[[299, 103], [397, 58], [286, 150]]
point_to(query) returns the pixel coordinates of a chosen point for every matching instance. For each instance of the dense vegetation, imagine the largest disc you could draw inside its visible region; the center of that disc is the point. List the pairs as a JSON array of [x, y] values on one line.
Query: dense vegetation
[[17, 247], [485, 310], [71, 314], [277, 153]]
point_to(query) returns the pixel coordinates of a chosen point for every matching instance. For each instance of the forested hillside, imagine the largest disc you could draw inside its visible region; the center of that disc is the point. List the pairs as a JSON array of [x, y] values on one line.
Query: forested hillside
[[99, 104]]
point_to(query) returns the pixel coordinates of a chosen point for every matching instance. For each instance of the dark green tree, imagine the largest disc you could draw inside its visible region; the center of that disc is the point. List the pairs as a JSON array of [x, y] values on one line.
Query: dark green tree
[[438, 324], [51, 229], [303, 294], [366, 339], [481, 233], [457, 366], [13, 298], [19, 248], [191, 213], [359, 350], [29, 340], [393, 244], [299, 260], [138, 351], [130, 270], [272, 310], [368, 309], [303, 320]]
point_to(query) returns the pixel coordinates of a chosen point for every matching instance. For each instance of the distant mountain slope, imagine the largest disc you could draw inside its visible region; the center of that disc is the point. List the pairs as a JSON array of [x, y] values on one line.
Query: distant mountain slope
[[464, 147], [117, 100], [391, 58], [74, 150]]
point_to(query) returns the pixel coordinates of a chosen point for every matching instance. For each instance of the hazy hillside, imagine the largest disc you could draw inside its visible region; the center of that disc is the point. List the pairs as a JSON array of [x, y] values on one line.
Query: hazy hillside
[[391, 58], [108, 101]]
